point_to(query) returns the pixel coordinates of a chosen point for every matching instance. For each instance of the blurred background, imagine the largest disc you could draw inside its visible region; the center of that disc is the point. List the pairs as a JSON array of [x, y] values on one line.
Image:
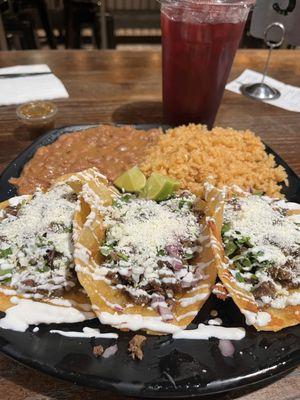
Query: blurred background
[[112, 24]]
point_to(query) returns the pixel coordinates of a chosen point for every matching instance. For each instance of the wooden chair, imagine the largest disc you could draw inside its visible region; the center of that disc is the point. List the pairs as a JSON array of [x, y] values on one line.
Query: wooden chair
[[140, 16], [3, 41], [79, 13], [16, 33], [22, 9], [18, 20]]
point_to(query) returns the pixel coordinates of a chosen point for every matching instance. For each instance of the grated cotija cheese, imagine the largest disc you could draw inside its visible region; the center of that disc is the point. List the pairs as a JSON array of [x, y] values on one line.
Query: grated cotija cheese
[[263, 246], [149, 245], [36, 242]]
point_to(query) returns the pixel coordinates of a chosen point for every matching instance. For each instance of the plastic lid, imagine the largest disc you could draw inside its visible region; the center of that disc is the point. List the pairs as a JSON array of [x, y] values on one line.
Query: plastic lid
[[241, 3]]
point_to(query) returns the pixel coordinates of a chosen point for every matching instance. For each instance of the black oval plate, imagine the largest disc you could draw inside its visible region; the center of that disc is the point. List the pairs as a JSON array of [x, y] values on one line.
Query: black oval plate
[[170, 368]]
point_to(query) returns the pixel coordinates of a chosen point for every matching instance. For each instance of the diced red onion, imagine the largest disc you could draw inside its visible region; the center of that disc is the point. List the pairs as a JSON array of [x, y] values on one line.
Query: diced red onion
[[199, 273], [158, 303], [110, 351], [172, 250], [157, 298], [226, 348], [117, 307], [187, 284], [165, 312], [190, 284], [176, 265]]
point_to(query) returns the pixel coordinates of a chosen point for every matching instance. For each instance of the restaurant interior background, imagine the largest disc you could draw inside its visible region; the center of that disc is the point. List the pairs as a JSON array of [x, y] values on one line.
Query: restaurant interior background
[[88, 24]]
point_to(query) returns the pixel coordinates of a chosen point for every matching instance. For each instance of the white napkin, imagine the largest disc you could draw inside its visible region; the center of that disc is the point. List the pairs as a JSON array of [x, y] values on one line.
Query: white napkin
[[290, 95], [30, 88]]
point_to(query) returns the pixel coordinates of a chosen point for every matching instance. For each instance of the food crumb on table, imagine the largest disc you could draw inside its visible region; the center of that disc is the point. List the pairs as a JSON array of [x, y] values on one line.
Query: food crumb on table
[[134, 346], [98, 351]]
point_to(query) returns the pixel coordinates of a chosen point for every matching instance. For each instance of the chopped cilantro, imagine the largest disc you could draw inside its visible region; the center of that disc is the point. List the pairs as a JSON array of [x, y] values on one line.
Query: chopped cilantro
[[239, 277], [183, 202], [125, 198], [116, 204], [39, 241], [106, 250], [246, 262], [225, 227], [188, 256], [238, 257], [259, 254], [44, 268], [258, 193], [230, 248], [59, 227], [6, 280], [238, 265], [122, 199], [4, 272], [122, 256], [5, 253]]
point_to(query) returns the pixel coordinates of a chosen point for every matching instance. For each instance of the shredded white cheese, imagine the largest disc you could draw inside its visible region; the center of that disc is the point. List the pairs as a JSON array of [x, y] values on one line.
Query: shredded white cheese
[[141, 228], [269, 231], [36, 247], [275, 239]]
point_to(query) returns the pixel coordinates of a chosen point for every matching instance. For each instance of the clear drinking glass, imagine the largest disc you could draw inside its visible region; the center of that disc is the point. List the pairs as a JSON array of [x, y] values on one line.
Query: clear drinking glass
[[199, 42]]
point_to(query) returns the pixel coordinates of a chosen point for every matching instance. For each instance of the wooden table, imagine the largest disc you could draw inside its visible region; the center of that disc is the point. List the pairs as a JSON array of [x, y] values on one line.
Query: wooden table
[[3, 42], [125, 87]]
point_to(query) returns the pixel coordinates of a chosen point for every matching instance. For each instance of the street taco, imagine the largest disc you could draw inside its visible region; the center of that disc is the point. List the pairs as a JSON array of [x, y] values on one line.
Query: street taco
[[36, 246], [259, 262], [145, 264]]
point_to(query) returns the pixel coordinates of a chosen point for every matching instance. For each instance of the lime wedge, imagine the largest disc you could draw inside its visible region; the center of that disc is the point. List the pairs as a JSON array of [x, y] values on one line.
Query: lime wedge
[[132, 180], [159, 187]]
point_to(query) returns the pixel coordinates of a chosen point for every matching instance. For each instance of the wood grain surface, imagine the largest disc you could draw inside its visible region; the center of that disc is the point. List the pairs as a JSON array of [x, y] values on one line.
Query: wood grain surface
[[125, 87]]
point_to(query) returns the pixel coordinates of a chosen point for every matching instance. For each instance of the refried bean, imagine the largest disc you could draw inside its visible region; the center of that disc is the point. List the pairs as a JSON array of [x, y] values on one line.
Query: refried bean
[[109, 148]]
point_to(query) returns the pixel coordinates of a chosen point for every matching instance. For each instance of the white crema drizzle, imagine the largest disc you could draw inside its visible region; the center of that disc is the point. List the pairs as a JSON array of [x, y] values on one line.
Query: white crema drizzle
[[28, 312]]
